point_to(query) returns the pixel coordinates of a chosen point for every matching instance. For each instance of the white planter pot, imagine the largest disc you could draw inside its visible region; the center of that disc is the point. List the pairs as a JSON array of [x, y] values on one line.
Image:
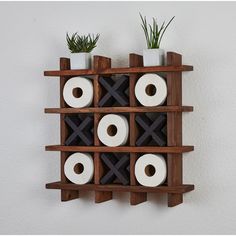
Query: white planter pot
[[153, 57], [80, 60]]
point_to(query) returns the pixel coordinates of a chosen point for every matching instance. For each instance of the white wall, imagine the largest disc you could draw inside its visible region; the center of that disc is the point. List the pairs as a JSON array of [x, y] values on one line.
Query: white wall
[[31, 41]]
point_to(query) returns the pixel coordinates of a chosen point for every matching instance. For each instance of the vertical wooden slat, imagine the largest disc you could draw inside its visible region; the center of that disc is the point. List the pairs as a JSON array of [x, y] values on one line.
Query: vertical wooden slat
[[134, 61], [99, 63], [66, 195], [174, 127]]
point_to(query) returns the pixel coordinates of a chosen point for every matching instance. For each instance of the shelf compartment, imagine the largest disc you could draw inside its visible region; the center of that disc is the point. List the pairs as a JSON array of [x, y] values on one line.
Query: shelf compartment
[[146, 149], [152, 129], [80, 130], [114, 91], [119, 109], [118, 168], [124, 70], [120, 188]]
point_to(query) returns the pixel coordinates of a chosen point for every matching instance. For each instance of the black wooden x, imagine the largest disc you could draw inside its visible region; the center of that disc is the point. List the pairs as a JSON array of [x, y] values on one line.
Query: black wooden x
[[81, 128], [119, 167], [115, 91], [153, 129]]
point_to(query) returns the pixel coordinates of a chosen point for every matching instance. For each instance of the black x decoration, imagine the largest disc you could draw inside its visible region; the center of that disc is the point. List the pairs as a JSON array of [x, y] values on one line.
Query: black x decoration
[[81, 130], [119, 168], [154, 131], [115, 91]]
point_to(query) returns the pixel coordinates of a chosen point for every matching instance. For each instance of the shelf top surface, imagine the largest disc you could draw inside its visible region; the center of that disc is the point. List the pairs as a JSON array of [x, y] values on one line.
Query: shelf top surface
[[121, 188], [126, 149], [124, 70], [119, 109]]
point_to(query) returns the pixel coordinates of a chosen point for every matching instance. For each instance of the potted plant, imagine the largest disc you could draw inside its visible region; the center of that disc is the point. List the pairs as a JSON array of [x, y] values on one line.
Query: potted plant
[[80, 48], [153, 55]]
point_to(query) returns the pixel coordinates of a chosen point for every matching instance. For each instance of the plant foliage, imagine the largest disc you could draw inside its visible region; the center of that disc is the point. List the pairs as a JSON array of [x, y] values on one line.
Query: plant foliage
[[154, 33], [85, 43]]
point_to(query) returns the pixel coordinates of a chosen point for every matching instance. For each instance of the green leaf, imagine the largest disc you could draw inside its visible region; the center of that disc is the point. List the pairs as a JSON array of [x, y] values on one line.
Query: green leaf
[[165, 29], [81, 43], [153, 34]]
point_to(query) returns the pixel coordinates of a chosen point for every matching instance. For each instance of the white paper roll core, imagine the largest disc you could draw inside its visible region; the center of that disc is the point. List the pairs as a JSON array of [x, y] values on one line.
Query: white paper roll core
[[86, 88], [158, 98], [158, 163], [86, 161], [117, 122]]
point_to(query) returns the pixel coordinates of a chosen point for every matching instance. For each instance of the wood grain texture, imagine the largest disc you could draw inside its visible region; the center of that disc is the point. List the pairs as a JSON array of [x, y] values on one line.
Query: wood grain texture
[[66, 195], [99, 63], [138, 194], [174, 128], [141, 149], [121, 188], [133, 109], [134, 61], [125, 70]]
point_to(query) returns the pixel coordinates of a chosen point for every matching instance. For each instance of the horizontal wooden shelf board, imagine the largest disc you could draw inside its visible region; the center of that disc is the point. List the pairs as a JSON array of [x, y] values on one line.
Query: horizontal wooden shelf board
[[146, 149], [124, 70], [119, 109], [121, 188]]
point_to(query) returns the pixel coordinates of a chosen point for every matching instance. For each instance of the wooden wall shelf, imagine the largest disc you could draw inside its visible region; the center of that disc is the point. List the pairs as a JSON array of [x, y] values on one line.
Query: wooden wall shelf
[[129, 149], [120, 188], [172, 111], [119, 109], [126, 70]]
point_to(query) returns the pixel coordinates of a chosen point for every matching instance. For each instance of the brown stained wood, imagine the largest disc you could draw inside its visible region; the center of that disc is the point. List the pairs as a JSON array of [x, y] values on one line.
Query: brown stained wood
[[174, 128], [99, 63], [125, 70], [134, 61], [132, 109], [66, 195], [174, 109], [141, 149], [121, 188]]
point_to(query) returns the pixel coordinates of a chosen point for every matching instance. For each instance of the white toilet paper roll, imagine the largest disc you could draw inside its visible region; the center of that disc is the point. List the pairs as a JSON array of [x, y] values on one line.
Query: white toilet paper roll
[[78, 92], [158, 88], [85, 174], [113, 130], [150, 170]]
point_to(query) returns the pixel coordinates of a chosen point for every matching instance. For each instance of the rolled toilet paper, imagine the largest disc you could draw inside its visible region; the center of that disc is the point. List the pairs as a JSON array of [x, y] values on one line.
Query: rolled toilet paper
[[78, 92], [150, 170], [151, 90], [113, 130], [85, 174]]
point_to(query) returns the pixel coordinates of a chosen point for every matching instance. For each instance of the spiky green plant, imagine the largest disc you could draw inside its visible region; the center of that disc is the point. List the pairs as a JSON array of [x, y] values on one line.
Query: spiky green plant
[[81, 43], [153, 34]]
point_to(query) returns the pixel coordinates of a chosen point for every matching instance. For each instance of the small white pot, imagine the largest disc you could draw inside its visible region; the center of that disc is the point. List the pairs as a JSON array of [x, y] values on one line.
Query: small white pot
[[80, 60], [153, 57]]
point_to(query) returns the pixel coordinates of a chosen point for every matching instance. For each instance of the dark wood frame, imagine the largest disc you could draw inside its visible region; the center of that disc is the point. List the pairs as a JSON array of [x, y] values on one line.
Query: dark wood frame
[[138, 194]]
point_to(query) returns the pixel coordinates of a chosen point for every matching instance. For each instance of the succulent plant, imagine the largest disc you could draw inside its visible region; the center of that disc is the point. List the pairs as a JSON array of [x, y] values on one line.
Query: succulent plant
[[154, 33], [81, 43]]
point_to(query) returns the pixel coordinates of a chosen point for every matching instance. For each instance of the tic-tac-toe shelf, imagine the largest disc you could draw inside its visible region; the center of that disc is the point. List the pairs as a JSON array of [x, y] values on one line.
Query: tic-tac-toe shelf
[[152, 129]]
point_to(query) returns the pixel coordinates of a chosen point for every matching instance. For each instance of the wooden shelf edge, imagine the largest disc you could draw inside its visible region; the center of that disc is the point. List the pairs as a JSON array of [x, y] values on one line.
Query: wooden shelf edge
[[121, 188], [118, 109], [124, 70], [126, 149]]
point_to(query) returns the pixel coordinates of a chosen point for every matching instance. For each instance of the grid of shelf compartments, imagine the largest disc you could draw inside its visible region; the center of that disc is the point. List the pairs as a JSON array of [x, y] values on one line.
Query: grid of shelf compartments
[[171, 148]]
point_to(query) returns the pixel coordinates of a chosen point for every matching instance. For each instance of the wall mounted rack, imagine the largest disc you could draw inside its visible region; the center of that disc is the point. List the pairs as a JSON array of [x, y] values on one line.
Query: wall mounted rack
[[172, 152]]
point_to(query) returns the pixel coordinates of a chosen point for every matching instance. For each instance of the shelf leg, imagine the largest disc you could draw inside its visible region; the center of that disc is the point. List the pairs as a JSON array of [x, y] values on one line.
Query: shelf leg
[[99, 63], [134, 60], [135, 198], [66, 195], [174, 128]]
